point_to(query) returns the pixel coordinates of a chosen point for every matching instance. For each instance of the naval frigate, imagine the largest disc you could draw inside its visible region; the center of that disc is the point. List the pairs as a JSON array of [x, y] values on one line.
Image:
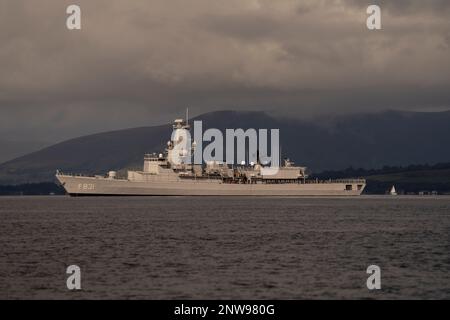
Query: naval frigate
[[161, 176]]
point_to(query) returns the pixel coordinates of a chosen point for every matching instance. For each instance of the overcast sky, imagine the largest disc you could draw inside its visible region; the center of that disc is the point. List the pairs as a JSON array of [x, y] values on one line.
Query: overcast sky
[[139, 62]]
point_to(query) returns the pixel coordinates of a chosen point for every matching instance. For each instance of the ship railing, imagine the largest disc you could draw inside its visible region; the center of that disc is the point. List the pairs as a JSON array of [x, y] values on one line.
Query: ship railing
[[60, 173], [349, 181]]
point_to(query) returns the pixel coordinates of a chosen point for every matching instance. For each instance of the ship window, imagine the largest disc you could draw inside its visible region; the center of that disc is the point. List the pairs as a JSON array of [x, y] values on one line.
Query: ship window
[[348, 187], [360, 186]]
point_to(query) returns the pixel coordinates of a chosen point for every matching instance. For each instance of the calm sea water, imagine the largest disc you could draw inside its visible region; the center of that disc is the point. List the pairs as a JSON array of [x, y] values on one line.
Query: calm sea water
[[224, 248]]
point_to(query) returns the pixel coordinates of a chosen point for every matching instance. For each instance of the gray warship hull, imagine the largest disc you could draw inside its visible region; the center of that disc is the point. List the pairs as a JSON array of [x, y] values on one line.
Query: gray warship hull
[[99, 186]]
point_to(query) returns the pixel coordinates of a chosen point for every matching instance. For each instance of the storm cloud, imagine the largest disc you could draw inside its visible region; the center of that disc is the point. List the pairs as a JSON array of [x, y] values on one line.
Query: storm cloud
[[142, 62]]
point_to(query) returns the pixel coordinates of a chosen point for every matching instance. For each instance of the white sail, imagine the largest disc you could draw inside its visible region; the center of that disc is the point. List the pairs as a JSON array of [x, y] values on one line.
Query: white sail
[[393, 192]]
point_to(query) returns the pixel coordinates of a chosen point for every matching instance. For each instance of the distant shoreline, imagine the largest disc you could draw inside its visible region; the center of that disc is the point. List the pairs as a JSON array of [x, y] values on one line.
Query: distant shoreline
[[51, 189], [420, 180], [32, 189]]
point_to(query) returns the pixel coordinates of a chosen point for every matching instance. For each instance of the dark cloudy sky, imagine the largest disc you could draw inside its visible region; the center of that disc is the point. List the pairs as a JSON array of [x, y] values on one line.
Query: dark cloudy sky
[[143, 62]]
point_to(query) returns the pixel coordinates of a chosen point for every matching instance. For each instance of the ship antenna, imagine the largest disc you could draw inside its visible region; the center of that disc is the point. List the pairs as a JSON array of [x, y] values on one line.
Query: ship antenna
[[187, 116], [279, 164]]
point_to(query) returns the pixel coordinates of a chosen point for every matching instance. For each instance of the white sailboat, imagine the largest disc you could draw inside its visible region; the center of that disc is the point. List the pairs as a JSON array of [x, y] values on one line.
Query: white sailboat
[[393, 192]]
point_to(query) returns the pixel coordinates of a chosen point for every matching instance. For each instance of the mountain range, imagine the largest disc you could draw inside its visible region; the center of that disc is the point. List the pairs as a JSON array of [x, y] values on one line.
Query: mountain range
[[368, 141]]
